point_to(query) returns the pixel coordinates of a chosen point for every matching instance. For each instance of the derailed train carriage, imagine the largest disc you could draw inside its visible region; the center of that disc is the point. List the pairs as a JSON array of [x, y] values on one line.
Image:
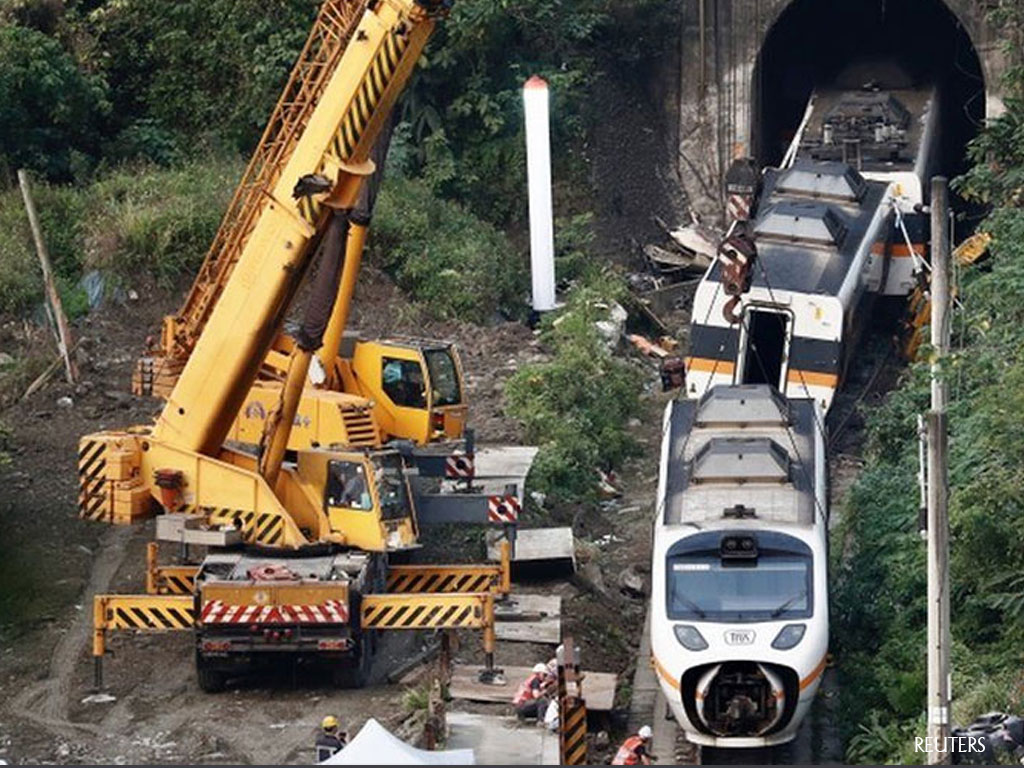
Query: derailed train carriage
[[739, 605], [840, 227]]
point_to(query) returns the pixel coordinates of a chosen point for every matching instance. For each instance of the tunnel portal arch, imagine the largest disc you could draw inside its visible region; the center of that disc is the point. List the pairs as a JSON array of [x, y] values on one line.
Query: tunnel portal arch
[[809, 43], [744, 71]]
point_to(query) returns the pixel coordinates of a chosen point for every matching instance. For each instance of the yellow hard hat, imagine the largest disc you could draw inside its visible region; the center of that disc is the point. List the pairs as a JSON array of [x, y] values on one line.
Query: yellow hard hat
[[329, 723]]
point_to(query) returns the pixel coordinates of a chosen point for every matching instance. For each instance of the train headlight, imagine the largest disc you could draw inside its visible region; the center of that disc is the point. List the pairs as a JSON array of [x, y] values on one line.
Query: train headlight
[[690, 638], [789, 636]]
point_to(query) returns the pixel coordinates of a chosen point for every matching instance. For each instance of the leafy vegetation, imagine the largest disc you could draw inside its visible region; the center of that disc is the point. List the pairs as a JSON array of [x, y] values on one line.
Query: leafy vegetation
[[136, 219], [51, 108], [880, 608], [443, 255], [576, 406]]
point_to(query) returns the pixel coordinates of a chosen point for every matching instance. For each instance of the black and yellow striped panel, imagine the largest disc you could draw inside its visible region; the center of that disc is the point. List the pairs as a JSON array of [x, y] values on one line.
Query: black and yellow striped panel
[[266, 528], [422, 612], [269, 529], [573, 738], [360, 112], [242, 519], [93, 492], [413, 578], [176, 580], [159, 613]]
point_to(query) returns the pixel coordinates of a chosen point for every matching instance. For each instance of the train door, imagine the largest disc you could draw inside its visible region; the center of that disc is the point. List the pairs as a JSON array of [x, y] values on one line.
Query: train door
[[764, 347]]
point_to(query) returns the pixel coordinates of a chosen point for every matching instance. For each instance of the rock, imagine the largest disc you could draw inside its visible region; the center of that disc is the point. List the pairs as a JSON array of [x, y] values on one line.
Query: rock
[[631, 583], [65, 402], [633, 423], [602, 740], [591, 577], [117, 395], [133, 295]]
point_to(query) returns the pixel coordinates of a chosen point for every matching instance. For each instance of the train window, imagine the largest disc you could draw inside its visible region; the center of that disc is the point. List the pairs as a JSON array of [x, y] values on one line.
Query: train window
[[444, 377], [764, 355], [704, 587]]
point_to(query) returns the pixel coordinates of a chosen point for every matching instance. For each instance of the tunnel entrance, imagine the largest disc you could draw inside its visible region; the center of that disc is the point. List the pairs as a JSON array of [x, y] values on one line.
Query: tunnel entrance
[[816, 43]]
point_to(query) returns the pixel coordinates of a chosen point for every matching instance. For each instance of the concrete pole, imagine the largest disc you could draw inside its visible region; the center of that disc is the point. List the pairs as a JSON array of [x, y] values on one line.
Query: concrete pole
[[538, 173], [938, 484]]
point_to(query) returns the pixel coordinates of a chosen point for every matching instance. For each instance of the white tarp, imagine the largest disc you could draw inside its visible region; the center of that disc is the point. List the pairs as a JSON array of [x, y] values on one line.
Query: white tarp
[[376, 745]]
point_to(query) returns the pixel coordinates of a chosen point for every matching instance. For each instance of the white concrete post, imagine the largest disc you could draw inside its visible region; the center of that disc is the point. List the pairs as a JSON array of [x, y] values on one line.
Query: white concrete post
[[538, 174]]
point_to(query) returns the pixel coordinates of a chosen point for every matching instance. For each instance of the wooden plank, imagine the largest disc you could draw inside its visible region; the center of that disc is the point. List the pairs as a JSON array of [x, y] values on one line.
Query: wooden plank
[[545, 626], [598, 687]]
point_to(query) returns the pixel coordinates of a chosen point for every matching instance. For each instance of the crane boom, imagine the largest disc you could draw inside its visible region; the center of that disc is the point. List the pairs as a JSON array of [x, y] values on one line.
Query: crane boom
[[265, 243], [315, 67]]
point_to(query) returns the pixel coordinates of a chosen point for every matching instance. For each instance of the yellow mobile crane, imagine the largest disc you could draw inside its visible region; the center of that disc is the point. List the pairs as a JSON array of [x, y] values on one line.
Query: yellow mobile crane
[[297, 550]]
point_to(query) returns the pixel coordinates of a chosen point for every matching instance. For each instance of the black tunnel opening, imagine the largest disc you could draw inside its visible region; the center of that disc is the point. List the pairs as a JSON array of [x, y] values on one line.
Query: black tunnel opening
[[814, 42]]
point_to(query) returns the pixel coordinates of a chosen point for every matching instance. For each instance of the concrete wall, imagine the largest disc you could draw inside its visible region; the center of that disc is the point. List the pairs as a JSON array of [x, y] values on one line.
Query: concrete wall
[[720, 44]]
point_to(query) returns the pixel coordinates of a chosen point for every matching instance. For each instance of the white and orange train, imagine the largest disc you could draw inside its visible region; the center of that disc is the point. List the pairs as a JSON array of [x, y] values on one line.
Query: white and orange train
[[839, 227], [739, 605]]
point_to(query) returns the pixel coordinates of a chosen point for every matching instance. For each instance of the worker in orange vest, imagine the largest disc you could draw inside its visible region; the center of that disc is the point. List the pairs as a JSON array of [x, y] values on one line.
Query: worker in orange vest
[[531, 699], [634, 749]]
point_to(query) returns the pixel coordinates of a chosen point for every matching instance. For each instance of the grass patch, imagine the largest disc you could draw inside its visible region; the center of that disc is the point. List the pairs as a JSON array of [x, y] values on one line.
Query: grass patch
[[135, 219], [443, 256], [576, 406]]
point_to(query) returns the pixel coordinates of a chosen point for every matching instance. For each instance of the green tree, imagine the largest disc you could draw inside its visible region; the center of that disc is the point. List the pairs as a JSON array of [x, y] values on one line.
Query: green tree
[[194, 70], [51, 110]]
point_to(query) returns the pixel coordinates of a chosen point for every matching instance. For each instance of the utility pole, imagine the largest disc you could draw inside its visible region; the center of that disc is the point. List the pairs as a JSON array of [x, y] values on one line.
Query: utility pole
[[938, 483]]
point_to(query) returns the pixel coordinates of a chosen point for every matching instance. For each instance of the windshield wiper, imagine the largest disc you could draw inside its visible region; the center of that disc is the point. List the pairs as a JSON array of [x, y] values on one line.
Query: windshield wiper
[[691, 605], [781, 609]]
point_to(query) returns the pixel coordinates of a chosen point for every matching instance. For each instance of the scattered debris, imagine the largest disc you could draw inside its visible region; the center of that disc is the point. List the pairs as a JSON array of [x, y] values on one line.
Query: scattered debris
[[647, 347], [673, 373], [65, 402], [631, 583], [99, 698], [612, 328], [607, 484]]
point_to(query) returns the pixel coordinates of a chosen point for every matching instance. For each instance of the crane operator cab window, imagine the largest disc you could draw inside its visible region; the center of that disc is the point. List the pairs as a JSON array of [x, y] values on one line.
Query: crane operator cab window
[[444, 377], [391, 488], [347, 486], [403, 382]]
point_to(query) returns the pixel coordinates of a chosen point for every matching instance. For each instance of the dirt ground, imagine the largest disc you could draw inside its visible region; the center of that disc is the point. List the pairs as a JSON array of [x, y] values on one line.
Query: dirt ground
[[51, 564]]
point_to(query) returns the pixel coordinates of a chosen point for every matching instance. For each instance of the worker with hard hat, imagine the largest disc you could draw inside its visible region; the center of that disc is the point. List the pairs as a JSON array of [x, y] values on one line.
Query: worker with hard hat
[[533, 694], [635, 749], [330, 740]]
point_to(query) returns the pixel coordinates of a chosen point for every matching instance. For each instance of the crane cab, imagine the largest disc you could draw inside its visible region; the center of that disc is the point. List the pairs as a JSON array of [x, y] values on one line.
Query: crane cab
[[364, 498], [416, 384]]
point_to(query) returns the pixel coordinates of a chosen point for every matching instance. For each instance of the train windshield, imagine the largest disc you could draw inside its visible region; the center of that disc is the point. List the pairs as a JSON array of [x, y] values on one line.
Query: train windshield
[[704, 587]]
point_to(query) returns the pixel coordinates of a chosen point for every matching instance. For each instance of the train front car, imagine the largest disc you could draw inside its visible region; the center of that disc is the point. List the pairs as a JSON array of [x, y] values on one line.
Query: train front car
[[739, 602]]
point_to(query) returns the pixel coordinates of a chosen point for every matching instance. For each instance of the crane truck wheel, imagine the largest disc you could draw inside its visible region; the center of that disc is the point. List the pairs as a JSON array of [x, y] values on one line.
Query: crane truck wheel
[[355, 672], [210, 680]]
